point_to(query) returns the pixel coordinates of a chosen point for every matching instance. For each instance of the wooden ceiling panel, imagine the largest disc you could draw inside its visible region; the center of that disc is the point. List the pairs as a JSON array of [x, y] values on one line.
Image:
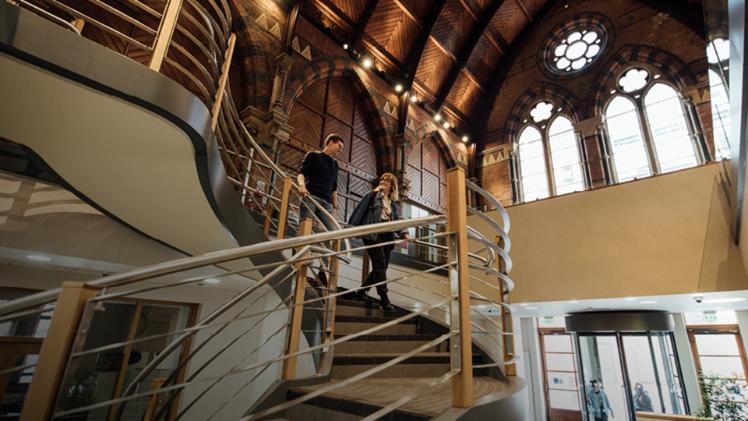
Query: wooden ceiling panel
[[533, 5], [392, 29], [418, 7], [508, 21], [465, 92], [483, 59], [352, 9], [433, 67], [453, 26]]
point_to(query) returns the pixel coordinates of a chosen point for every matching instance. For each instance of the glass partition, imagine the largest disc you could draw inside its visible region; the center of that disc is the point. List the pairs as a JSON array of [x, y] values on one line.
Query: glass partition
[[604, 383]]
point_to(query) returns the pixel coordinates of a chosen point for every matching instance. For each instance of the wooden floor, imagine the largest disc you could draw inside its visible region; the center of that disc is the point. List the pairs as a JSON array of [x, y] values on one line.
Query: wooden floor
[[382, 392]]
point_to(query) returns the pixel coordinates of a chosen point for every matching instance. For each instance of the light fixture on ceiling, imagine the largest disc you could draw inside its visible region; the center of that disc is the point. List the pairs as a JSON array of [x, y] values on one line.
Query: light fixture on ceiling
[[437, 117], [212, 281], [573, 301], [446, 124], [612, 91], [345, 46], [367, 62], [398, 88], [657, 76], [413, 98], [630, 298], [524, 304], [465, 138], [531, 308], [648, 302], [39, 258], [725, 300]]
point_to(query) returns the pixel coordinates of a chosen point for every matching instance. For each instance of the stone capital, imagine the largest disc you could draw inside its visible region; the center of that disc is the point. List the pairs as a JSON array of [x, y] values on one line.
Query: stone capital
[[590, 126], [283, 62]]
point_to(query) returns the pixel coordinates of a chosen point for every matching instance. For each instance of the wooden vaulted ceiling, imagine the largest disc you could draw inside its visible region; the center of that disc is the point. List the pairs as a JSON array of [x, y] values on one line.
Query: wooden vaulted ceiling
[[447, 49]]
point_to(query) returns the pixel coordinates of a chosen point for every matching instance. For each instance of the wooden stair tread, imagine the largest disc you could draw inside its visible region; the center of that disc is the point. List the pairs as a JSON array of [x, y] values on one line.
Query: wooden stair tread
[[384, 391]]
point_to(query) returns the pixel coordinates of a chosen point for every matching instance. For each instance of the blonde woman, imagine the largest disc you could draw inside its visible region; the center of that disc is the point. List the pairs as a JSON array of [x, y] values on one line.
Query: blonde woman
[[378, 206]]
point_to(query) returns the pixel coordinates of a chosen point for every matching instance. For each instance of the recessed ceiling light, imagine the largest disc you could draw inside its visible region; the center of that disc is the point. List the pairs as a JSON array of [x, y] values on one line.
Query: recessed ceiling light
[[39, 258], [725, 300], [446, 124], [630, 298], [465, 138], [574, 302], [367, 62], [413, 98], [524, 304], [398, 88], [212, 281], [345, 46], [437, 117], [648, 302], [531, 308]]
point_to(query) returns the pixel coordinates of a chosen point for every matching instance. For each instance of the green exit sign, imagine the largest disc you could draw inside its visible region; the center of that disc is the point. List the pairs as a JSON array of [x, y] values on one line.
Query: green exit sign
[[710, 316]]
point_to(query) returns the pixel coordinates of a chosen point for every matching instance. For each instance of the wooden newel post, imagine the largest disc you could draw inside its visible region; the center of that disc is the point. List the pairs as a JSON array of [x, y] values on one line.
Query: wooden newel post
[[294, 333], [459, 278], [165, 31], [283, 215], [53, 356], [506, 318]]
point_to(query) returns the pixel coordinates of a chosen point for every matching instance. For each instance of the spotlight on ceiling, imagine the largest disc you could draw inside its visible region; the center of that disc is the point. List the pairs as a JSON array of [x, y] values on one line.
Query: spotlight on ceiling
[[465, 138], [367, 63], [413, 98], [398, 88], [445, 124], [437, 117], [345, 46]]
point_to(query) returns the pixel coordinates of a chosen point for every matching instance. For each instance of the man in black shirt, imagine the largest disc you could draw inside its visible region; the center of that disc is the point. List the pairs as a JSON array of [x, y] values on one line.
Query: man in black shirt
[[318, 179]]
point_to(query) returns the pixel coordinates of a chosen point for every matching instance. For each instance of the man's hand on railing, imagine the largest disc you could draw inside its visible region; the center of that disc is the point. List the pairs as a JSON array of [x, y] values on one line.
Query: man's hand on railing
[[404, 244]]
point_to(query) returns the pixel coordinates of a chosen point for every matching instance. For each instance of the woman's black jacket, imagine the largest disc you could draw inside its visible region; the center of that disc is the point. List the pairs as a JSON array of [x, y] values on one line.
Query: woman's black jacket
[[369, 211]]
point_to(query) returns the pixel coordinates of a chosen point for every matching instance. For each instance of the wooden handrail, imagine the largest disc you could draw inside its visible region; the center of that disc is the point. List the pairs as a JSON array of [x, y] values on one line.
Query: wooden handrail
[[294, 329], [165, 31]]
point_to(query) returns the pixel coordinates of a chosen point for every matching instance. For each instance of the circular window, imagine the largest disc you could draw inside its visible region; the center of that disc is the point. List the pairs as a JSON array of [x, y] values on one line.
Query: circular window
[[574, 44], [633, 80], [576, 51]]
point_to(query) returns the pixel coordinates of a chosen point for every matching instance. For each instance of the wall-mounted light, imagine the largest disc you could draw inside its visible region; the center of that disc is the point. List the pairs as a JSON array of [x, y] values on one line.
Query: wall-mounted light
[[437, 117], [367, 63], [398, 88]]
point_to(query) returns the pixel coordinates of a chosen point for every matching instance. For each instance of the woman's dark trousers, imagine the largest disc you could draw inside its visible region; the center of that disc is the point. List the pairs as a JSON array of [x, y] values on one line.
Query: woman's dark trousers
[[380, 260]]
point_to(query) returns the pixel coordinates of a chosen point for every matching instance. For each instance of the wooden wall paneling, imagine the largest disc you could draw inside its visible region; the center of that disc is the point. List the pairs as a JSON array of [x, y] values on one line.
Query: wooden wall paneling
[[363, 156], [431, 157], [314, 96], [430, 187], [414, 156], [360, 126], [352, 9], [333, 125], [340, 101], [414, 176], [291, 158], [392, 29], [509, 21], [358, 186], [307, 125]]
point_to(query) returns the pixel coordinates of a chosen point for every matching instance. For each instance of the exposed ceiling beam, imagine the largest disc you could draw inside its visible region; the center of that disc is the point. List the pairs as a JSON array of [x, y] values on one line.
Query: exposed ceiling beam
[[466, 51], [408, 13], [522, 6], [293, 16], [414, 56], [363, 21]]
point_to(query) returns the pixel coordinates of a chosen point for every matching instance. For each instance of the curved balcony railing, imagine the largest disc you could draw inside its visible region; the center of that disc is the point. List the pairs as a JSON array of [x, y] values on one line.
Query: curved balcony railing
[[190, 41]]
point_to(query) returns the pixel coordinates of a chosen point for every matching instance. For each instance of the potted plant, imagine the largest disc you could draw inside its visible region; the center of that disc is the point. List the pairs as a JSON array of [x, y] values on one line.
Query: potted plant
[[723, 398]]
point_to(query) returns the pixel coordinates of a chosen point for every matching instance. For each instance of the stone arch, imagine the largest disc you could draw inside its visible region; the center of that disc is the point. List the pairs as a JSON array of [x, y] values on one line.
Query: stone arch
[[672, 68], [302, 77], [560, 97]]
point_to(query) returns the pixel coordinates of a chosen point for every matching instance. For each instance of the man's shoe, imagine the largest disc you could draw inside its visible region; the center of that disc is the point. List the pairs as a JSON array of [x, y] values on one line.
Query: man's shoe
[[362, 296], [387, 307]]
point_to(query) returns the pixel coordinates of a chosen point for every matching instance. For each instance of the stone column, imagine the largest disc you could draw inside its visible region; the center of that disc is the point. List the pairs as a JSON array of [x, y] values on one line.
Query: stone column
[[595, 159], [283, 64]]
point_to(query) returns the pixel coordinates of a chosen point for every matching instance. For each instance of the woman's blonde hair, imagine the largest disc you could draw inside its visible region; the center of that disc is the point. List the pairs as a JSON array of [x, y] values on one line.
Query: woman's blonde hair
[[394, 191]]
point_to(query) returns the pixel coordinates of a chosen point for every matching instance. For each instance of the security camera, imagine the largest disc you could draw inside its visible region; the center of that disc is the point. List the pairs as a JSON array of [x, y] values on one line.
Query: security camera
[[698, 299]]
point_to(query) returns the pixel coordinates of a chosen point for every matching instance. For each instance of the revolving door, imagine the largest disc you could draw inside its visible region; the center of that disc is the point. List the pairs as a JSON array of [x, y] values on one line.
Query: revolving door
[[627, 367]]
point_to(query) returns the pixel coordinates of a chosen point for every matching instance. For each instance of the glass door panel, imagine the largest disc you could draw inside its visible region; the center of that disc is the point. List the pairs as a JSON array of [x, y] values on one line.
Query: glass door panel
[[645, 384], [601, 363], [562, 386]]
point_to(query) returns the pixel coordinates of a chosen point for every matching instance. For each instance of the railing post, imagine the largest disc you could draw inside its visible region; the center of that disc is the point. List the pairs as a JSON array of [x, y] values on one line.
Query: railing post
[[283, 214], [461, 346], [222, 81], [53, 356], [294, 332], [150, 409], [165, 31], [506, 317]]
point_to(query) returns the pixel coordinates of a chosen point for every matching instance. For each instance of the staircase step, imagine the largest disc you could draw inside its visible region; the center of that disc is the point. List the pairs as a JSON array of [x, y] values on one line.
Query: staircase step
[[376, 318], [396, 345], [346, 328], [324, 408]]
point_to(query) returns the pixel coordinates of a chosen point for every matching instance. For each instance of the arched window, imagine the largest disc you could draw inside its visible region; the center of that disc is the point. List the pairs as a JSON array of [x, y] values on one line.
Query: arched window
[[720, 115], [672, 142], [648, 130], [626, 141], [532, 165], [567, 168]]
